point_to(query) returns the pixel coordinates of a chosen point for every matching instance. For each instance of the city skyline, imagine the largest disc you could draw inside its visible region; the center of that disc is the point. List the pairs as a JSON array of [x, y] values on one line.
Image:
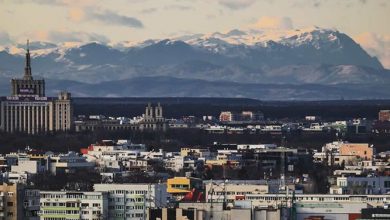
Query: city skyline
[[194, 109]]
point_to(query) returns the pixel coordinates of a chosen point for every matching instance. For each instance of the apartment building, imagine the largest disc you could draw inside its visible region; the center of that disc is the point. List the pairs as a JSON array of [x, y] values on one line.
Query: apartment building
[[73, 205], [360, 150], [131, 201], [361, 185], [219, 191], [10, 198]]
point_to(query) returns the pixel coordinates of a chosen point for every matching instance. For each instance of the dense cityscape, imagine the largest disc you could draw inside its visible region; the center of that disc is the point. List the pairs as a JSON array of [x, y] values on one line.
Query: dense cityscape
[[237, 178], [194, 110]]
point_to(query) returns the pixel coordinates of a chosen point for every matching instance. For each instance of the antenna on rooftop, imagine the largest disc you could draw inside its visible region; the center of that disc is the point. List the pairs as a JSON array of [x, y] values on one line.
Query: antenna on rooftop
[[282, 165]]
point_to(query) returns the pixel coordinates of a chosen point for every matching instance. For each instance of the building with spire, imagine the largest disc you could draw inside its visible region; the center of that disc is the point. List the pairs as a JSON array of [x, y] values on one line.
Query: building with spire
[[28, 86], [28, 110]]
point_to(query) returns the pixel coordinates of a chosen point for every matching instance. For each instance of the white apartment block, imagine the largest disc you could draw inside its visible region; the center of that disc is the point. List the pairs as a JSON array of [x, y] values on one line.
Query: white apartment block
[[278, 199], [131, 201], [233, 190], [175, 163], [361, 185]]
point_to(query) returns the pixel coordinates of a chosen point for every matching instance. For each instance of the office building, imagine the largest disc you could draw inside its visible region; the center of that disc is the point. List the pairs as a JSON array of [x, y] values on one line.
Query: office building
[[28, 110]]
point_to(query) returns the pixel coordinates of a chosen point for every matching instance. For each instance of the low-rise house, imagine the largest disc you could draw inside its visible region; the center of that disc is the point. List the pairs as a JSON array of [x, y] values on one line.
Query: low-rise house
[[135, 164], [196, 152], [153, 155], [67, 163], [12, 177]]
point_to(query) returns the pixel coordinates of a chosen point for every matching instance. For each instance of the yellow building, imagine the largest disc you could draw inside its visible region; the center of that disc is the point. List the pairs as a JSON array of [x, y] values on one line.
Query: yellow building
[[178, 187], [197, 152]]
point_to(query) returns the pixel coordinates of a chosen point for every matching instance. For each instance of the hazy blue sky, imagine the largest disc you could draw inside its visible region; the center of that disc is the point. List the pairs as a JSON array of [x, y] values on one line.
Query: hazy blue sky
[[367, 21]]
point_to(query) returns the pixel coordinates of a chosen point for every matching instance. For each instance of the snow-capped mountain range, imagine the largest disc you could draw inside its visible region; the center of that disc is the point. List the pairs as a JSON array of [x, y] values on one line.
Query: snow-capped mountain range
[[312, 56]]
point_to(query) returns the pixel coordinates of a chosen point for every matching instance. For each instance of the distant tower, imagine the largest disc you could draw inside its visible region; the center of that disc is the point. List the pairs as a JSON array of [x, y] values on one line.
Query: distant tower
[[149, 112], [28, 86], [27, 68], [63, 110], [283, 165], [158, 112]]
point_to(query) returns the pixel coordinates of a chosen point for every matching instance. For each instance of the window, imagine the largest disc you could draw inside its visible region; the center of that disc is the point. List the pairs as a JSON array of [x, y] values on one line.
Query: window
[[387, 184]]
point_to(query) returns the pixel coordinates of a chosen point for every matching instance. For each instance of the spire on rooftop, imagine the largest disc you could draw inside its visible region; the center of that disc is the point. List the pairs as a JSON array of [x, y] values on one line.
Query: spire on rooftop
[[27, 68]]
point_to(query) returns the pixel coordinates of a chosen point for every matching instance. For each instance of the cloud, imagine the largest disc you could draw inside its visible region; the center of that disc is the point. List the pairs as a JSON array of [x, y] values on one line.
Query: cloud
[[149, 10], [5, 39], [317, 4], [112, 18], [237, 4], [76, 14], [376, 45], [70, 3], [87, 10], [61, 36], [179, 7], [39, 35], [268, 22], [42, 2]]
